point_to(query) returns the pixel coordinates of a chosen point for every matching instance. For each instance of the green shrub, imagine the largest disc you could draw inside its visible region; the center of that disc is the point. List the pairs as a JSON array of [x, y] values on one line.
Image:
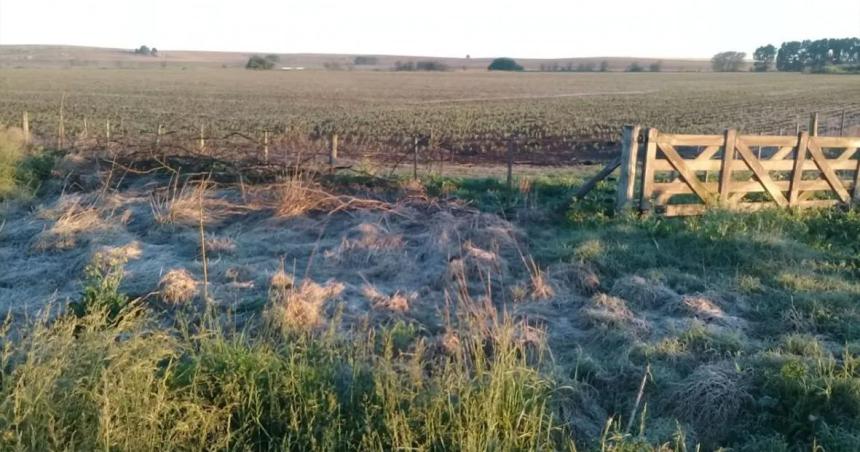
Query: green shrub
[[23, 167], [12, 152], [103, 277]]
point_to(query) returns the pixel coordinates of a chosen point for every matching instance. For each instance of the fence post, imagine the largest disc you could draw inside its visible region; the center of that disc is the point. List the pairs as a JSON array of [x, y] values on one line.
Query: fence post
[[25, 125], [651, 135], [61, 127], [813, 125], [512, 144], [332, 155], [158, 132], [201, 144], [797, 171], [842, 125], [86, 130], [415, 157], [107, 134], [856, 195], [629, 157], [727, 166], [266, 146]]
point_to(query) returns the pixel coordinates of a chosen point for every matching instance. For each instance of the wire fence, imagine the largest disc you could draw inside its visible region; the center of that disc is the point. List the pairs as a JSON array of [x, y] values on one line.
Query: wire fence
[[418, 153]]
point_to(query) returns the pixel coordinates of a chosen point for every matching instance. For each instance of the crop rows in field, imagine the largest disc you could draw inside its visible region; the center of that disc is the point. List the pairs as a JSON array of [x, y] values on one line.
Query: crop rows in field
[[460, 111]]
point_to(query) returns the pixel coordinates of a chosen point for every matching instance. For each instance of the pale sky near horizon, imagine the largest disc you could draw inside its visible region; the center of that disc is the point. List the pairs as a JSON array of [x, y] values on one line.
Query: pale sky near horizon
[[452, 28]]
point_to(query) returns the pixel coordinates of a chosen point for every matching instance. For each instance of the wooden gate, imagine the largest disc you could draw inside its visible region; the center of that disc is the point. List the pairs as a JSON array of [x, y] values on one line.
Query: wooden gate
[[687, 174]]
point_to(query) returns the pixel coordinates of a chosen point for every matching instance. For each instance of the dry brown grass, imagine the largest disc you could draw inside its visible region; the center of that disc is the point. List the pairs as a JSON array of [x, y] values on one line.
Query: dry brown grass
[[299, 307], [177, 287], [541, 289], [298, 196], [397, 302], [72, 220], [181, 206]]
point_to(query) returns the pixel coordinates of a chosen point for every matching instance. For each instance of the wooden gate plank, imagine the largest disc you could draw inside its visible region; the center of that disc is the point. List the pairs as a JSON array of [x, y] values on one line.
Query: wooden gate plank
[[827, 171], [782, 153], [730, 138], [847, 154], [761, 173], [602, 174], [689, 177], [797, 172]]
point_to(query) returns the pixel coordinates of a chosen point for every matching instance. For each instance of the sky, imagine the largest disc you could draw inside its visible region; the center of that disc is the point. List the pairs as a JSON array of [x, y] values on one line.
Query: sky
[[444, 28]]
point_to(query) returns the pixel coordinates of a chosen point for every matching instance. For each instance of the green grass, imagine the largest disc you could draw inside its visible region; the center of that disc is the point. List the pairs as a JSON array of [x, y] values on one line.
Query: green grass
[[123, 379]]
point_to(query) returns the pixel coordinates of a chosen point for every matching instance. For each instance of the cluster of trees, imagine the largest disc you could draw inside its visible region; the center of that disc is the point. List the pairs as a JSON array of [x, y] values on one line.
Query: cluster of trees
[[821, 55], [420, 66], [504, 64], [728, 61], [258, 62], [146, 51]]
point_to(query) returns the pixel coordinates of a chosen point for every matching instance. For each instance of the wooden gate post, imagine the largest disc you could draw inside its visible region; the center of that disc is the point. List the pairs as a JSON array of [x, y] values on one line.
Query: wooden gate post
[[651, 135], [842, 125], [727, 166], [629, 158]]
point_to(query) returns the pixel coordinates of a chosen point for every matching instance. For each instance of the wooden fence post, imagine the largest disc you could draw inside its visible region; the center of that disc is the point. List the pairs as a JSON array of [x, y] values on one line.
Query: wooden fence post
[[415, 158], [651, 135], [727, 166], [61, 126], [332, 155], [107, 134], [25, 125], [813, 125], [512, 144], [158, 132], [842, 125], [629, 157], [266, 146], [201, 144], [797, 171], [85, 132]]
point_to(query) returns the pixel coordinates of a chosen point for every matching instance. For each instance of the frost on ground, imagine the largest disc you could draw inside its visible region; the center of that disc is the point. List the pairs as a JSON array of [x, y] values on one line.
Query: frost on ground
[[397, 259], [402, 259]]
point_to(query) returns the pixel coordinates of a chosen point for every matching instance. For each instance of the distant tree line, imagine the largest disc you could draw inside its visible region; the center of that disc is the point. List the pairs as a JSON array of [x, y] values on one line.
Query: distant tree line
[[365, 61], [420, 66], [581, 67], [146, 51], [822, 55]]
